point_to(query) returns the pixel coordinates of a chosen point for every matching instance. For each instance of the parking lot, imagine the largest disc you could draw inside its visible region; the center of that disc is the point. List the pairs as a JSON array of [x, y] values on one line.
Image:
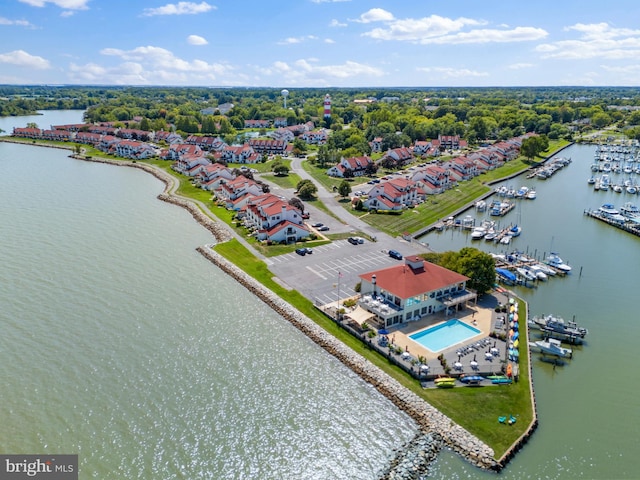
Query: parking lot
[[338, 264]]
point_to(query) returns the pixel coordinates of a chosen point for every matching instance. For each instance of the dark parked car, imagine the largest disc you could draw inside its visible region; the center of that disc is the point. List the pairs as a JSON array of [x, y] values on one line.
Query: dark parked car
[[324, 228], [301, 251], [317, 225], [352, 240], [395, 254]]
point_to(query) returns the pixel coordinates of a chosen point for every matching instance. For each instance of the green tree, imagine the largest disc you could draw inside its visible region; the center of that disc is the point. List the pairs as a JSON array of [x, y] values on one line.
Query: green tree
[[344, 189], [281, 170], [306, 189]]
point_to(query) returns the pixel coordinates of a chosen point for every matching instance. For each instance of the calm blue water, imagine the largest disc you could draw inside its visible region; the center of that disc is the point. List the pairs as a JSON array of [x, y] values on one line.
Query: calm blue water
[[442, 336]]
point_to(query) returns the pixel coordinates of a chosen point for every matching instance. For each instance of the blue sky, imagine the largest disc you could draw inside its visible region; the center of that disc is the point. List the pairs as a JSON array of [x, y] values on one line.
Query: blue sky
[[320, 43]]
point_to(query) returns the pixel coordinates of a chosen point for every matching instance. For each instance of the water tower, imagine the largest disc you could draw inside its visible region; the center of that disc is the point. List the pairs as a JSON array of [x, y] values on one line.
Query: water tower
[[285, 94]]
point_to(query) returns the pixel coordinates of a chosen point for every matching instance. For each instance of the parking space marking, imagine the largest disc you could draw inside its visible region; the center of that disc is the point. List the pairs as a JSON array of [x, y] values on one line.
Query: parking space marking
[[313, 271]]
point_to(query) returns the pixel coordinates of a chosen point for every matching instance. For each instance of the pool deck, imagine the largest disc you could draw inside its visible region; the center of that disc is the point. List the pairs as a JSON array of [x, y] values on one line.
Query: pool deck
[[481, 316]]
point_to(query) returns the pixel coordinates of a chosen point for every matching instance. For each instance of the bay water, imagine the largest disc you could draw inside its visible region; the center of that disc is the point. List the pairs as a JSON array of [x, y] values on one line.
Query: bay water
[[119, 342]]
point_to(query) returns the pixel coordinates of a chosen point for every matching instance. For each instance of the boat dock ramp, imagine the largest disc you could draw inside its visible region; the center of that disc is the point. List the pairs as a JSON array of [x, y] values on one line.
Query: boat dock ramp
[[549, 168]]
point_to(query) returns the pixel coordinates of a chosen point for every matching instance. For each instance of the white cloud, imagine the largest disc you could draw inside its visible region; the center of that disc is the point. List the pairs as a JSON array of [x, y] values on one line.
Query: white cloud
[[443, 30], [67, 4], [149, 65], [375, 15], [487, 35], [448, 72], [161, 58], [196, 40], [308, 72], [294, 40], [20, 23], [336, 23], [180, 8], [519, 66], [598, 40], [329, 40], [24, 59]]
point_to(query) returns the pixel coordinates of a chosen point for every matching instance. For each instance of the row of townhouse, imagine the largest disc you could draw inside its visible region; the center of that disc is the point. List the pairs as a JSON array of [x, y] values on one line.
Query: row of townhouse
[[269, 216], [394, 194], [39, 133], [433, 179], [206, 142], [274, 219], [270, 147], [352, 166]]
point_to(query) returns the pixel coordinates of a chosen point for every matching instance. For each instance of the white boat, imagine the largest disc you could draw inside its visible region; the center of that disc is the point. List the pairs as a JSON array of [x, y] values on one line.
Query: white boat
[[478, 232], [607, 210], [544, 268], [555, 261], [490, 236], [592, 180], [557, 325], [531, 194], [538, 272], [632, 189], [630, 210], [505, 240], [481, 205], [515, 230], [617, 188], [526, 273], [553, 346]]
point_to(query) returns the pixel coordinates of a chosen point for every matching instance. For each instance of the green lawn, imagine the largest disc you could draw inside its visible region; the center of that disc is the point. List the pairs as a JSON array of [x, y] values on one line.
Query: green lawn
[[475, 409], [290, 180]]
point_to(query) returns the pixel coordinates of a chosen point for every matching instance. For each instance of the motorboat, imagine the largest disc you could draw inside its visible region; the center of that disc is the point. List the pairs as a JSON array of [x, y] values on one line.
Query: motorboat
[[538, 272], [506, 240], [552, 346], [531, 194], [526, 273], [592, 180], [490, 236], [481, 205], [506, 276], [555, 324], [630, 210], [608, 209], [555, 261], [515, 230], [478, 232]]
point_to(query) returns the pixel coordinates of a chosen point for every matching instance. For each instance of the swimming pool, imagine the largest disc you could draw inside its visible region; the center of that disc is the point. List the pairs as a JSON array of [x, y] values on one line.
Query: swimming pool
[[445, 335]]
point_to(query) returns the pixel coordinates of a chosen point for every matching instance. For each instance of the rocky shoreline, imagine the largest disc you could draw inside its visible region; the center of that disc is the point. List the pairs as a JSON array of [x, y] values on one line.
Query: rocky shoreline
[[437, 431]]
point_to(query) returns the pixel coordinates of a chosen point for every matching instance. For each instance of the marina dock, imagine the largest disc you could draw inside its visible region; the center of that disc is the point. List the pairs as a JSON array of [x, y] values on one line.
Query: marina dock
[[629, 225]]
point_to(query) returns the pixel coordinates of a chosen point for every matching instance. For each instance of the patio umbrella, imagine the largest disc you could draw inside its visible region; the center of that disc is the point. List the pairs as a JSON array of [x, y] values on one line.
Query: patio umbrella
[[383, 331]]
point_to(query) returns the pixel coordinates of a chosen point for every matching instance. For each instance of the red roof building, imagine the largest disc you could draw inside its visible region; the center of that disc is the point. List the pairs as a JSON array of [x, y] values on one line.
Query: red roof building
[[410, 291]]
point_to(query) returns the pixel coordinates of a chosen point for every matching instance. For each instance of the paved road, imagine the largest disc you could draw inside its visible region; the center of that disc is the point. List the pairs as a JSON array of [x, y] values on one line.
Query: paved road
[[317, 275], [338, 264]]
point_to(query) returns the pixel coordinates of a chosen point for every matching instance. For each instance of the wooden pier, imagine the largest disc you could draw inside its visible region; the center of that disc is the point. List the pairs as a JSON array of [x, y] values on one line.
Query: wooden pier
[[628, 226]]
